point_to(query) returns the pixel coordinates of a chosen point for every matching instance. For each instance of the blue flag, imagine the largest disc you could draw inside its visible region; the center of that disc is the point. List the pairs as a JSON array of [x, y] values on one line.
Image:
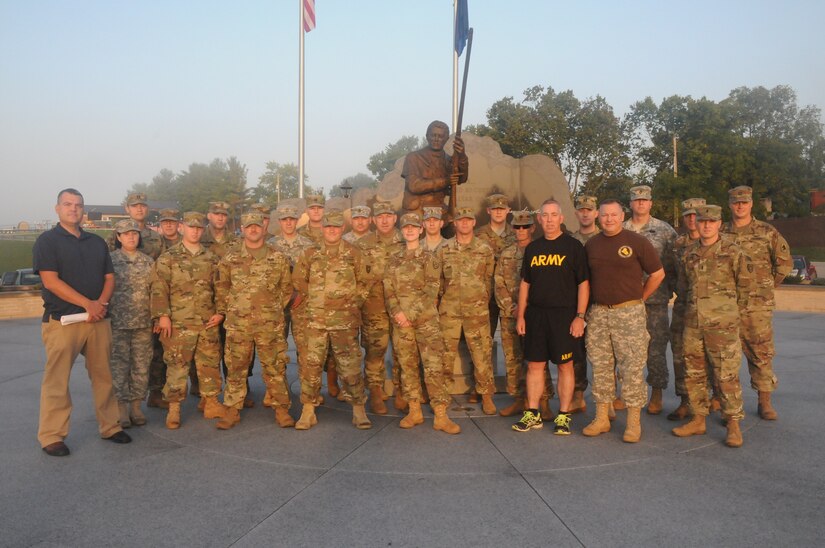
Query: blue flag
[[462, 27]]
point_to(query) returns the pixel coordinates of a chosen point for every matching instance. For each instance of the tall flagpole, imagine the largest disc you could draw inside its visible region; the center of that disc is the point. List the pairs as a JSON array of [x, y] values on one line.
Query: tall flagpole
[[301, 99], [455, 67]]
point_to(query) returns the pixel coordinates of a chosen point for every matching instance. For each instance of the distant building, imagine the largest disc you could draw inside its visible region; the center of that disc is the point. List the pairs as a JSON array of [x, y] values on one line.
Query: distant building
[[108, 215]]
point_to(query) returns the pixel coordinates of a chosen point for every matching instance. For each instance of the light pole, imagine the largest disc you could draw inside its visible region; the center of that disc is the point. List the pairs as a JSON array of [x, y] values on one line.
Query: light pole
[[346, 188]]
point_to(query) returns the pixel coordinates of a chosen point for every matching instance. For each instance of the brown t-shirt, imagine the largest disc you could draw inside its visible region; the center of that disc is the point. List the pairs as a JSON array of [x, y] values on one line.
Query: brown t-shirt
[[617, 264]]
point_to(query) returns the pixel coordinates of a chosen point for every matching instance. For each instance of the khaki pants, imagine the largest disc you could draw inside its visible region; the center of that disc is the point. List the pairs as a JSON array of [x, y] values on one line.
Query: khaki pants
[[63, 344]]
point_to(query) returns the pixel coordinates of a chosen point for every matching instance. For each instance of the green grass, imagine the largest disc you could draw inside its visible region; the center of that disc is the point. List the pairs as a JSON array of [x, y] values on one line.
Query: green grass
[[813, 253], [15, 254]]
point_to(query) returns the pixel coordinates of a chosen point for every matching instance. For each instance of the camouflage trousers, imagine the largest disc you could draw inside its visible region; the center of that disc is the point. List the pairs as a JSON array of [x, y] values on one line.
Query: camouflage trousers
[[131, 356], [477, 334], [616, 338], [756, 333], [422, 343], [157, 369], [720, 350], [204, 345], [375, 340], [271, 348], [580, 368], [514, 361], [659, 330], [677, 346], [343, 346]]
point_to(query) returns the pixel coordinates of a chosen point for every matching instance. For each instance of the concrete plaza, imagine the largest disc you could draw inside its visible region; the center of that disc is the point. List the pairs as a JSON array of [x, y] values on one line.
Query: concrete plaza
[[259, 485]]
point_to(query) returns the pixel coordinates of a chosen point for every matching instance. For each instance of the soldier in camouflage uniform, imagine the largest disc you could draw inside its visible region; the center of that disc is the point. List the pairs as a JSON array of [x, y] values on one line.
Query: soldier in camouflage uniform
[[313, 229], [411, 286], [662, 236], [771, 258], [131, 323], [720, 282], [432, 239], [138, 209], [183, 304], [331, 282], [360, 219], [169, 231], [467, 271], [217, 238], [377, 248], [253, 288], [498, 235]]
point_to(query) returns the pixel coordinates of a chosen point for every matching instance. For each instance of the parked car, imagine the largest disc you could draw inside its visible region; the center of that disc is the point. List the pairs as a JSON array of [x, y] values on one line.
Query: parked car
[[20, 280], [803, 268]]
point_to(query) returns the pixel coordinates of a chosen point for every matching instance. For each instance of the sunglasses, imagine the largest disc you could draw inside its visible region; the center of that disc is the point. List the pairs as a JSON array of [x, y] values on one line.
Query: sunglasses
[[521, 227]]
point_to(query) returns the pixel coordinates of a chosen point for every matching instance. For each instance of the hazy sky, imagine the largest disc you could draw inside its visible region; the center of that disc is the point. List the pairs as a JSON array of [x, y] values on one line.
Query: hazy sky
[[100, 95]]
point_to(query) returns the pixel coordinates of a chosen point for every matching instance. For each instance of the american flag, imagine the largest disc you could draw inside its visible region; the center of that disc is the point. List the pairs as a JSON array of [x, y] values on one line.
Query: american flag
[[309, 15]]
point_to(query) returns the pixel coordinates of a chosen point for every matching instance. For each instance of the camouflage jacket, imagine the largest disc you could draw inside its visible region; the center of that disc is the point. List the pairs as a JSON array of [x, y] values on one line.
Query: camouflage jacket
[[333, 283], [166, 244], [411, 285], [292, 249], [314, 234], [212, 244], [467, 277], [584, 237], [252, 293], [377, 251], [679, 248], [662, 236], [770, 255], [720, 282], [150, 242], [183, 286], [508, 279], [497, 243], [129, 305], [351, 237], [441, 243]]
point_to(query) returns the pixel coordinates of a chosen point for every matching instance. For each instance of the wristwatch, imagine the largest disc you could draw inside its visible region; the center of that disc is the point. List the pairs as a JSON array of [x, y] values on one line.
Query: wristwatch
[[580, 315]]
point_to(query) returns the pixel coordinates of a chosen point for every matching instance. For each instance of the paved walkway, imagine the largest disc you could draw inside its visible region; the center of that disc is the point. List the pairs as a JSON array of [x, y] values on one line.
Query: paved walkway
[[259, 485]]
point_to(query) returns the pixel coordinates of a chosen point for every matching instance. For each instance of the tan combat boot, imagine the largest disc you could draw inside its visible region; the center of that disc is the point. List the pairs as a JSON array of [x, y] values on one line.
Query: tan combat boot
[[544, 409], [173, 416], [715, 404], [201, 404], [473, 397], [696, 427], [487, 405], [267, 399], [156, 400], [734, 437], [283, 418], [212, 408], [123, 411], [578, 405], [654, 407], [766, 410], [681, 412], [248, 402], [138, 419], [633, 430], [399, 403], [618, 404], [377, 401], [414, 417], [308, 418], [359, 417], [601, 423], [230, 417], [515, 408], [442, 421], [332, 382]]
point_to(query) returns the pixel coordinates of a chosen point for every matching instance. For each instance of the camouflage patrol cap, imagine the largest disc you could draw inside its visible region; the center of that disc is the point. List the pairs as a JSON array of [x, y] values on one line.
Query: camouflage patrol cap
[[689, 206], [169, 215], [219, 207], [586, 202], [464, 213], [194, 219], [497, 201], [641, 192], [127, 225], [740, 194], [410, 219], [382, 208], [359, 211], [432, 213], [708, 213], [286, 211], [136, 198], [261, 208], [315, 200], [333, 217], [252, 218], [522, 218]]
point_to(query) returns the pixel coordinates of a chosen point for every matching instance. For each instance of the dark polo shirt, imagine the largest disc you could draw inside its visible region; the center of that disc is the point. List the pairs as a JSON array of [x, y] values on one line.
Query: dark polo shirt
[[80, 262]]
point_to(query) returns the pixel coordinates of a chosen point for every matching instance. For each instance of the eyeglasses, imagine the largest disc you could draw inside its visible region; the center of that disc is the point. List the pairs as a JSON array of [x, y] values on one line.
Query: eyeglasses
[[521, 227]]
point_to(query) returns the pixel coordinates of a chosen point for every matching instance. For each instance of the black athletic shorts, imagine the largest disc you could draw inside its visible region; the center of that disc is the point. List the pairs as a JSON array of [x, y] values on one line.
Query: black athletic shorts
[[548, 335]]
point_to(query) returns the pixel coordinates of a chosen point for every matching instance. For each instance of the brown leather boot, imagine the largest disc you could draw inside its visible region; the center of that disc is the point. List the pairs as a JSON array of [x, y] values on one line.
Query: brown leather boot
[[633, 430], [231, 416], [487, 405], [654, 407], [734, 437], [212, 408], [414, 417], [377, 401], [308, 418], [473, 397], [201, 404], [359, 418], [515, 408], [138, 419], [332, 382], [696, 427], [283, 418], [156, 400], [578, 405], [601, 423], [715, 404], [766, 410], [442, 422], [618, 404], [400, 404], [681, 412], [173, 416], [123, 411], [544, 409]]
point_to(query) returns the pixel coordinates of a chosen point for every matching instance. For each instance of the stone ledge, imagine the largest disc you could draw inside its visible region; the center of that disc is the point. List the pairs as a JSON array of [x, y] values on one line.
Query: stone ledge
[[800, 298], [20, 304]]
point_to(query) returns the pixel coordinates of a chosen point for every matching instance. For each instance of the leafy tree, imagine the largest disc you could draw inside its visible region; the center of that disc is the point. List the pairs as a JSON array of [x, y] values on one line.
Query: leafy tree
[[285, 175], [361, 180], [383, 162]]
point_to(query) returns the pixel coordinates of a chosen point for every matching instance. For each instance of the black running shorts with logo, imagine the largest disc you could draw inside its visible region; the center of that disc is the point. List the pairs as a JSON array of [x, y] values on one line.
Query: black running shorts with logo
[[548, 337]]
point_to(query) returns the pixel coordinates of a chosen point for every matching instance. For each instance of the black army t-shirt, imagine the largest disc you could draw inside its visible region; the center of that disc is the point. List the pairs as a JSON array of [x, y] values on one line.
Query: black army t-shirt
[[554, 269]]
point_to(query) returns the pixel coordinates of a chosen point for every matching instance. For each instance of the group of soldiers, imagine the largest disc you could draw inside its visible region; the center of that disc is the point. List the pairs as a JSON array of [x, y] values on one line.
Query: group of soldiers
[[220, 297]]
